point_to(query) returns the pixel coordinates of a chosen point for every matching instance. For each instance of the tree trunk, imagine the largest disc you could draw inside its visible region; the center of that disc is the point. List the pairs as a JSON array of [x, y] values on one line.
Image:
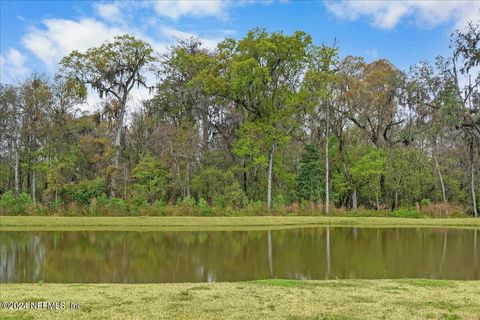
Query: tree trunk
[[472, 181], [396, 199], [187, 180], [327, 195], [205, 129], [244, 177], [270, 169], [354, 199], [34, 182], [442, 184], [17, 172], [117, 142]]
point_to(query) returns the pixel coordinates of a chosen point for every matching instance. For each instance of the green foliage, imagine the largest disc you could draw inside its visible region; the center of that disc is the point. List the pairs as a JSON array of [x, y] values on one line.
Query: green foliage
[[279, 201], [111, 69], [234, 196], [309, 180], [150, 180], [255, 139], [84, 191], [13, 205], [218, 117], [210, 183], [425, 202], [405, 213], [189, 201]]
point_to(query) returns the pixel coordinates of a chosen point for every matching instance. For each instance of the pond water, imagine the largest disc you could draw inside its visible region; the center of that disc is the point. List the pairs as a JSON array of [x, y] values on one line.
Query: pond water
[[208, 256]]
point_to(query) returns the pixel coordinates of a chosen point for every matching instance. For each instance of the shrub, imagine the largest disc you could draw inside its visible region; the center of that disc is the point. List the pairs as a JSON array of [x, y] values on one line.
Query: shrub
[[189, 201], [55, 204], [405, 213], [256, 208], [84, 191], [150, 177], [279, 201], [14, 205], [425, 202], [235, 197], [442, 210]]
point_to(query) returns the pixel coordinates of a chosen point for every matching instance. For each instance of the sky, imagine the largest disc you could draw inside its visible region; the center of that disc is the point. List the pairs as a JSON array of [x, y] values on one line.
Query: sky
[[35, 35]]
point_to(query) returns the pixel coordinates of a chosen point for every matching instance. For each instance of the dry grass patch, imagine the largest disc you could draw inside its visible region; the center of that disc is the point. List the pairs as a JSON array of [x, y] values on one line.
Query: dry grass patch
[[267, 299]]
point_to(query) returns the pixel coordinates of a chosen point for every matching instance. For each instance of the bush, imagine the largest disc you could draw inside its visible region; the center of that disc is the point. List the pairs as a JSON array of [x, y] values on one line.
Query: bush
[[425, 202], [157, 208], [279, 201], [14, 205], [103, 206], [405, 213], [235, 197], [84, 191], [189, 201], [442, 210], [256, 208], [219, 201]]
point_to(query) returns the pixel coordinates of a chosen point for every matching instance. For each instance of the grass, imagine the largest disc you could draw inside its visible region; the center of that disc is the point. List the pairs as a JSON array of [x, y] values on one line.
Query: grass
[[266, 299], [19, 223]]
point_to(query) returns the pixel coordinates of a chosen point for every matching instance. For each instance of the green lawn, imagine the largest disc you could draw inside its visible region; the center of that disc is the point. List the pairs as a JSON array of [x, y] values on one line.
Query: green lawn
[[218, 223], [268, 299]]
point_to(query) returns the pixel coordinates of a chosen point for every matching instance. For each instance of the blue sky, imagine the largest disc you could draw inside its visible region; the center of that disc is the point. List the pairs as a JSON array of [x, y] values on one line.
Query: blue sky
[[35, 35]]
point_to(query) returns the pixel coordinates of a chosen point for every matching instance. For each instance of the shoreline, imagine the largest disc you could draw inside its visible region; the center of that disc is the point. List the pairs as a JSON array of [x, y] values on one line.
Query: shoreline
[[35, 223]]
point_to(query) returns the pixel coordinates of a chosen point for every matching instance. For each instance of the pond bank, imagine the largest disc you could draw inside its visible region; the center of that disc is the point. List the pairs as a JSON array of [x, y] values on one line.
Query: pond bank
[[266, 299], [24, 223]]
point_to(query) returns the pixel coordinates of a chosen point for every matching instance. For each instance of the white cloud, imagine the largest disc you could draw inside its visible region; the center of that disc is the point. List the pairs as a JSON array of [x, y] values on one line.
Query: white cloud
[[196, 8], [108, 11], [388, 14], [12, 64], [60, 36]]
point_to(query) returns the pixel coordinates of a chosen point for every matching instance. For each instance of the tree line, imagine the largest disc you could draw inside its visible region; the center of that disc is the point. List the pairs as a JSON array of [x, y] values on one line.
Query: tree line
[[270, 120]]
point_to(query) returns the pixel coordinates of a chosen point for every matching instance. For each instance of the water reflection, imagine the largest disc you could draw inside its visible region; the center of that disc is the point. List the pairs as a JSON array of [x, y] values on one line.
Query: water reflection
[[311, 253]]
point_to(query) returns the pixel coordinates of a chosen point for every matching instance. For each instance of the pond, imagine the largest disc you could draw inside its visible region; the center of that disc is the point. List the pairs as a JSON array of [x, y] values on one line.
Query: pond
[[208, 256]]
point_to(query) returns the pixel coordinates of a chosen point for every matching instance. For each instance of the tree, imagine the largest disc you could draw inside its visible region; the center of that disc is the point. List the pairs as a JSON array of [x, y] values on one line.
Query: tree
[[261, 74], [309, 177], [320, 83], [447, 98], [112, 69], [150, 180], [11, 134], [466, 55]]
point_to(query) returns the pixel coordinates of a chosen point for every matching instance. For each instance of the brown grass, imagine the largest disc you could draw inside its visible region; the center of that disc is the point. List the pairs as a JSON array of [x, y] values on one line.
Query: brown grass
[[268, 299]]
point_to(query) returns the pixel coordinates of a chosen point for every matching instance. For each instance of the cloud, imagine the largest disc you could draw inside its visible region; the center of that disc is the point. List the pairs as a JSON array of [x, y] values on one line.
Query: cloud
[[388, 14], [59, 37], [12, 64], [108, 11], [199, 8]]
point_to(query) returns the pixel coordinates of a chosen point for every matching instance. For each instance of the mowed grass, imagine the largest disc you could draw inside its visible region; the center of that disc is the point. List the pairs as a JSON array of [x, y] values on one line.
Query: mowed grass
[[266, 299], [11, 223]]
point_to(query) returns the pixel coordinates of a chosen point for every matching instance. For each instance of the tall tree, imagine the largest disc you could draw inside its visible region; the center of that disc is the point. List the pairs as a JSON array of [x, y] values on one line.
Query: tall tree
[[261, 74], [320, 83], [112, 69]]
